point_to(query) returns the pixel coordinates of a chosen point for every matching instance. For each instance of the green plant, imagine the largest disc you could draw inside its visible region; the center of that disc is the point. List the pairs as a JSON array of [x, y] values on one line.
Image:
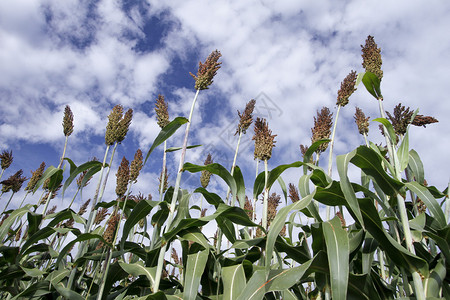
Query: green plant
[[390, 239]]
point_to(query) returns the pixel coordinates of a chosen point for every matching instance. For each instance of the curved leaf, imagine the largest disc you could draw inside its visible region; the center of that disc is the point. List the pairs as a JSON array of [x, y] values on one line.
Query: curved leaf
[[372, 84], [416, 166], [165, 133], [278, 223], [258, 186], [433, 206], [342, 162], [94, 165]]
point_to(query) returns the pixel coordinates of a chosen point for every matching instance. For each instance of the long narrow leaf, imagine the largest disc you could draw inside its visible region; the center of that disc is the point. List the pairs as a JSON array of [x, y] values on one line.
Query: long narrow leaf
[[194, 269], [337, 242], [165, 133]]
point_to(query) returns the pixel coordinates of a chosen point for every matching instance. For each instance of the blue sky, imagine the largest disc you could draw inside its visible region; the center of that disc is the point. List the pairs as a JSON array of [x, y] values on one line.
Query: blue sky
[[289, 55]]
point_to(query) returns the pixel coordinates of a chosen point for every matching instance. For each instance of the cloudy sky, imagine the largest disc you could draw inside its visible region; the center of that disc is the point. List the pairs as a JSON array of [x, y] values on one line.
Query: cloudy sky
[[289, 55]]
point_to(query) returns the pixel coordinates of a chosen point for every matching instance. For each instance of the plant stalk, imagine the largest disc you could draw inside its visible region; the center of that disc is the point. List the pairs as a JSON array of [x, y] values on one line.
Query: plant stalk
[[174, 198]]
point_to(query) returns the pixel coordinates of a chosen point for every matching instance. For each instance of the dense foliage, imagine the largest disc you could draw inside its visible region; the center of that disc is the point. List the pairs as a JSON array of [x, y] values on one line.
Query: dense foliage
[[394, 242]]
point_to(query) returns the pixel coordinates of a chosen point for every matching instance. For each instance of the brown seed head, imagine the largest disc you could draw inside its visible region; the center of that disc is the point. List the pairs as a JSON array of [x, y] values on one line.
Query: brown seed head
[[293, 193], [123, 175], [83, 207], [67, 121], [248, 207], [51, 210], [123, 126], [35, 176], [13, 183], [372, 57], [108, 235], [113, 123], [101, 215], [162, 111], [6, 159], [175, 257], [361, 121], [18, 233], [246, 118], [401, 118], [347, 89], [4, 218], [421, 120], [264, 140], [80, 178], [207, 71], [283, 230], [165, 183], [206, 175], [272, 204], [343, 224], [136, 165], [322, 128]]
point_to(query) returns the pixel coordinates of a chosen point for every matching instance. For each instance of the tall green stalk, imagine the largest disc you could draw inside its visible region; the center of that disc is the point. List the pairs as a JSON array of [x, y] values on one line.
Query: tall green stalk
[[174, 197], [266, 195]]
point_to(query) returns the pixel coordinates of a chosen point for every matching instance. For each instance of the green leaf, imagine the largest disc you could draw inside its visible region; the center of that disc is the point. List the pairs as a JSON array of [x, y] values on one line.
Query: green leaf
[[403, 152], [240, 186], [93, 166], [342, 162], [337, 243], [39, 235], [396, 252], [435, 281], [416, 166], [34, 221], [7, 224], [165, 133], [173, 149], [255, 286], [433, 206], [49, 173], [80, 238], [372, 84], [57, 275], [137, 269], [390, 129], [234, 281], [194, 269], [211, 198], [66, 293], [215, 169], [258, 186], [194, 234], [278, 223], [141, 210], [370, 162], [35, 272]]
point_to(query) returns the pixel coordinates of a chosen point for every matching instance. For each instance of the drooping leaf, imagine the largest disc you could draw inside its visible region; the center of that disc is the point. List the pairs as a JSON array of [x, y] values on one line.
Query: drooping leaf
[[215, 169], [416, 166], [136, 269], [95, 166], [165, 133], [258, 186], [342, 162], [433, 206], [372, 84], [141, 209]]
